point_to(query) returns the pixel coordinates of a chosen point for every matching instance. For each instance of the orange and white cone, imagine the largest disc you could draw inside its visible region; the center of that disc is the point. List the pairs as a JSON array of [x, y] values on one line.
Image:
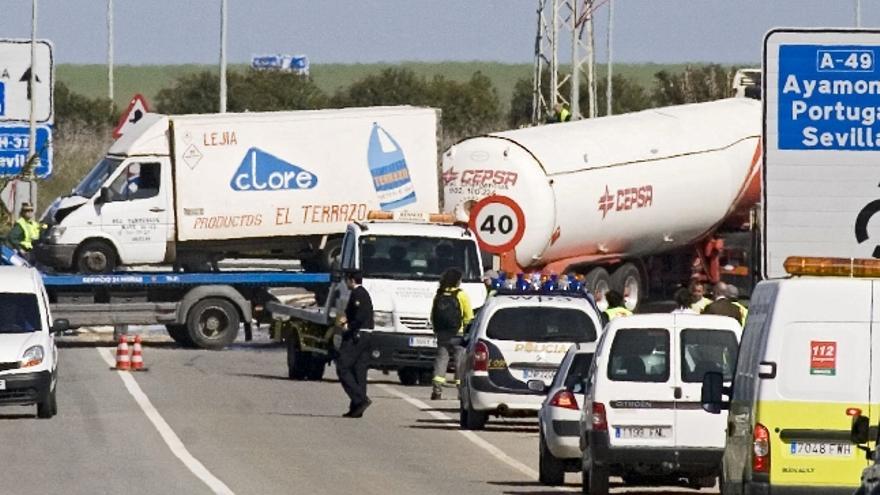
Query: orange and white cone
[[137, 355], [123, 359]]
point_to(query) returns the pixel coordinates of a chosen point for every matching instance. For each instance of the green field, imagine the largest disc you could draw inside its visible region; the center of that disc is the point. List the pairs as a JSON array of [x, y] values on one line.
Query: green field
[[91, 80]]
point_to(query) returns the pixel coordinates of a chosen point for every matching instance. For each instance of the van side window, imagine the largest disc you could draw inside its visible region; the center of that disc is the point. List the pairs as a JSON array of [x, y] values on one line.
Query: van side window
[[704, 351], [137, 181], [639, 355]]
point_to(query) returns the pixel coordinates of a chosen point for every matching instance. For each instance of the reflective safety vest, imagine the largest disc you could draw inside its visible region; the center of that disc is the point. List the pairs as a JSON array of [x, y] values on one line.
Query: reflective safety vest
[[564, 115], [31, 229], [700, 305], [743, 310], [617, 312]]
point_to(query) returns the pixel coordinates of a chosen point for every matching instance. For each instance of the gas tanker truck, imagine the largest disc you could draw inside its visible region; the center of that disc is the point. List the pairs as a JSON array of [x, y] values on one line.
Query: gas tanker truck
[[637, 202]]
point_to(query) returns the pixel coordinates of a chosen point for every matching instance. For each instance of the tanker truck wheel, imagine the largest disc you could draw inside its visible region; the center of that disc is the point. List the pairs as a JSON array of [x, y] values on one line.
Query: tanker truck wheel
[[213, 323], [598, 282], [627, 280]]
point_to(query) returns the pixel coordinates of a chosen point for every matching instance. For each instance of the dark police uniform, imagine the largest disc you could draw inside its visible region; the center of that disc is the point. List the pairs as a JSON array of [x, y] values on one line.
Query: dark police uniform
[[354, 354]]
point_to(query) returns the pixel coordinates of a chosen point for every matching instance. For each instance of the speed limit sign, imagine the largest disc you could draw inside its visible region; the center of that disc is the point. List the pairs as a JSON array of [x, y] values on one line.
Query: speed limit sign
[[499, 224]]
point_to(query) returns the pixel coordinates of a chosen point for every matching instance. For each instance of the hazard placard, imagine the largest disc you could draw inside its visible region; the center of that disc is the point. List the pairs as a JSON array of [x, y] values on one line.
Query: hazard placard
[[823, 358], [499, 224], [136, 110]]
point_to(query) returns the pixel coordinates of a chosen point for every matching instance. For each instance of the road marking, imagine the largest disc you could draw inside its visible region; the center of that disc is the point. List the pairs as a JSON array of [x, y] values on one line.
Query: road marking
[[473, 437], [171, 439]]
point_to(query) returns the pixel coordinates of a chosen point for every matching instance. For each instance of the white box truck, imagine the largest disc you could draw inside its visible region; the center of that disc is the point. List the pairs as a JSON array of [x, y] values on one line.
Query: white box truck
[[190, 190]]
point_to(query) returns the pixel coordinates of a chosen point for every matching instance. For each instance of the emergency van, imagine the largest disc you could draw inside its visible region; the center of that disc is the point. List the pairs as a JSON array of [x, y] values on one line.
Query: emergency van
[[642, 418], [805, 371]]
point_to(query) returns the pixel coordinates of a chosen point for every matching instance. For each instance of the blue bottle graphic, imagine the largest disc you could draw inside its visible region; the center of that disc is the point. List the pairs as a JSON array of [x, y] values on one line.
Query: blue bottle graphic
[[389, 171]]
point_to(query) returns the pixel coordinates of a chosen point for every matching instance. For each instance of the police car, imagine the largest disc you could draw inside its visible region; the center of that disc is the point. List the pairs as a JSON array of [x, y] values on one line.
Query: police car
[[518, 338]]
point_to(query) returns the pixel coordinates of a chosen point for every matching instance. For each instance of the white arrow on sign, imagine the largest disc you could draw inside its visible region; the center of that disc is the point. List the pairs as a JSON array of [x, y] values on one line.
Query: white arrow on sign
[[136, 110], [15, 68]]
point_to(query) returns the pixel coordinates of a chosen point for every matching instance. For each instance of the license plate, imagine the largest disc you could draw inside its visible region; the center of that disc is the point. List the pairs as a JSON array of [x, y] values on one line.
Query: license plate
[[546, 375], [2, 384], [646, 432], [423, 342], [821, 449]]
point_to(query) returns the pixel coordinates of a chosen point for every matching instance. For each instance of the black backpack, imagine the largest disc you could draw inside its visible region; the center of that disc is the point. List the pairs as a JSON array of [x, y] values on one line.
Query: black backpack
[[446, 313]]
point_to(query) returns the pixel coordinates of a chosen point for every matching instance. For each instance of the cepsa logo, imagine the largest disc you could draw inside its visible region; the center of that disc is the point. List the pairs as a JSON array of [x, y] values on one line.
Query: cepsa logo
[[627, 198], [261, 171], [480, 177]]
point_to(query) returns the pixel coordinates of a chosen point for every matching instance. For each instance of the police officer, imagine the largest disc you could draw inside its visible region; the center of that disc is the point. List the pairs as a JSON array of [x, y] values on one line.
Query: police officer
[[616, 309], [354, 353], [25, 232]]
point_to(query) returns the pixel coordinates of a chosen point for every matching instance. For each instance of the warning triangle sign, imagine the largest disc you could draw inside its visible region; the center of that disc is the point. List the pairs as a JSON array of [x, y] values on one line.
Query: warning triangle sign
[[137, 108]]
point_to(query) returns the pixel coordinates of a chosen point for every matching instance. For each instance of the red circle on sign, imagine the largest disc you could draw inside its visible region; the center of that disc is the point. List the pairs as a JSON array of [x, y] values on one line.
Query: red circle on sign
[[503, 202]]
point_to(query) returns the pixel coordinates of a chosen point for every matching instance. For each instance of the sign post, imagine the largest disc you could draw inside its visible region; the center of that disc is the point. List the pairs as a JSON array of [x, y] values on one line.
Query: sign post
[[821, 145]]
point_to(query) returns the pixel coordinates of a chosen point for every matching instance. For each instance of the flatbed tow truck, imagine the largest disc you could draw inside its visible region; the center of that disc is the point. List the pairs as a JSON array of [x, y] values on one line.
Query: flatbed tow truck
[[202, 310]]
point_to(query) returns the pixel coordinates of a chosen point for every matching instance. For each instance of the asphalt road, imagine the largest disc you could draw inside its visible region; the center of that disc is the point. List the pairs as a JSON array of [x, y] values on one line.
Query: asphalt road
[[231, 422]]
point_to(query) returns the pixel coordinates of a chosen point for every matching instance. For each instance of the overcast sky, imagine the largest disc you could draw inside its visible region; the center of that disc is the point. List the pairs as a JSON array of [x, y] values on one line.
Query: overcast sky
[[349, 31]]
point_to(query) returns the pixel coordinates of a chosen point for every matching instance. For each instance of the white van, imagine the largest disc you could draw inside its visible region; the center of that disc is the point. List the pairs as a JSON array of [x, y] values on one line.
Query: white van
[[28, 356], [807, 366], [642, 416]]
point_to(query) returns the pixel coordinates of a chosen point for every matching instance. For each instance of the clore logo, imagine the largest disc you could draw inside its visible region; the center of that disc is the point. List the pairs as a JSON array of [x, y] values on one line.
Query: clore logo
[[261, 171]]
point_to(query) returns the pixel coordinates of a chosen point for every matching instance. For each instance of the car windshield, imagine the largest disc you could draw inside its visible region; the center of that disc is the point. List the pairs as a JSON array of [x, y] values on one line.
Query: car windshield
[[541, 324], [707, 350], [96, 177], [418, 258], [19, 313]]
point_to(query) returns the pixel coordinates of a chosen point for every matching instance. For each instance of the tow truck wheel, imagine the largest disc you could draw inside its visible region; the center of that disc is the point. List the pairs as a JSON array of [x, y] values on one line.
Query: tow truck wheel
[[179, 334], [213, 323], [408, 376], [297, 368]]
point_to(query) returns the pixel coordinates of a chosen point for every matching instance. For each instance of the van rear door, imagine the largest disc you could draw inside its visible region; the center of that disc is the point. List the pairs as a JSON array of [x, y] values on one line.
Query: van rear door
[[704, 344], [640, 408]]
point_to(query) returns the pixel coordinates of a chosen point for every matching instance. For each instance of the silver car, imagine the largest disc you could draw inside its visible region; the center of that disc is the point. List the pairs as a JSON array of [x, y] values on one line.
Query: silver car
[[559, 449]]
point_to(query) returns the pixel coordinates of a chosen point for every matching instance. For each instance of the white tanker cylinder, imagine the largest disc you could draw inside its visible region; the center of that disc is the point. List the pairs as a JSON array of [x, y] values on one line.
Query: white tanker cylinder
[[614, 187]]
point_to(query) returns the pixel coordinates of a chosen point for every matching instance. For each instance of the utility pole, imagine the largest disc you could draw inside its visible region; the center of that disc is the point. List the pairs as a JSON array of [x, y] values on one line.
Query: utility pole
[[591, 63], [110, 49], [33, 158], [223, 56], [609, 88], [858, 13]]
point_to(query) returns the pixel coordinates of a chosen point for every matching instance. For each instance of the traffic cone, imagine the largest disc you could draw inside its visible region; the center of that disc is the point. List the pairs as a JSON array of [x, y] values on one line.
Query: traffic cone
[[137, 356], [123, 360]]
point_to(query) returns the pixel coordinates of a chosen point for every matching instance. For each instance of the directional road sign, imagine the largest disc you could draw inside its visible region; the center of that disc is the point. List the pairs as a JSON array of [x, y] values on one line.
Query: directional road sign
[[15, 72], [14, 150], [821, 145]]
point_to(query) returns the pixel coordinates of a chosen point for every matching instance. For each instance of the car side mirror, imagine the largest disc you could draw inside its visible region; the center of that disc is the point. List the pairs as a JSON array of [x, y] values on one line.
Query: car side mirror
[[712, 393], [537, 386], [103, 196], [60, 325], [859, 433]]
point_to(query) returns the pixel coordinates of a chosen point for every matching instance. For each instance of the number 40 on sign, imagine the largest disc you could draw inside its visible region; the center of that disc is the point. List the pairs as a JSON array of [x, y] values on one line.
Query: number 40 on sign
[[498, 223]]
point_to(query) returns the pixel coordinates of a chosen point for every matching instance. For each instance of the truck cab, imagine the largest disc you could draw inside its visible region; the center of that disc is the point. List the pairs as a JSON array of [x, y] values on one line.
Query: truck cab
[[401, 263], [121, 210]]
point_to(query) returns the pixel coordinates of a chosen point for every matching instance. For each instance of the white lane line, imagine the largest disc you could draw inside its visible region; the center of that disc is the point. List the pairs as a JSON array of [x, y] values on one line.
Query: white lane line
[[171, 439], [473, 437]]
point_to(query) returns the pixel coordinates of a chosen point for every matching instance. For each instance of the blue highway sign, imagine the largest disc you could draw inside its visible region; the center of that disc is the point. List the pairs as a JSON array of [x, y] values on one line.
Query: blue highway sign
[[14, 150]]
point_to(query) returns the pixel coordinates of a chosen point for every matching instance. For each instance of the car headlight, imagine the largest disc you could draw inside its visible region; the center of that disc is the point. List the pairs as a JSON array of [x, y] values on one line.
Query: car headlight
[[55, 233], [383, 318], [32, 357]]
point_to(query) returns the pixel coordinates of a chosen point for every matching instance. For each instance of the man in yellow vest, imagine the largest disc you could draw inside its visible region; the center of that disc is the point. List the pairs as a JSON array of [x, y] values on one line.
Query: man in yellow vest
[[25, 231], [616, 309]]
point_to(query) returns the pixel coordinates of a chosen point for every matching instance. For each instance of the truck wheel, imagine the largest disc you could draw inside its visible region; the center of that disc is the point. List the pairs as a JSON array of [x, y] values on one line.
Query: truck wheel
[[597, 281], [179, 334], [332, 251], [213, 323], [426, 377], [408, 376], [95, 257], [49, 407], [317, 365], [627, 280], [296, 360], [551, 471]]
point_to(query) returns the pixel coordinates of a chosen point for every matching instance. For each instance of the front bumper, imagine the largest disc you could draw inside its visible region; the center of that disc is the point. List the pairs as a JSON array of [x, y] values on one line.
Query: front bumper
[[662, 460], [391, 351], [55, 255], [25, 388]]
